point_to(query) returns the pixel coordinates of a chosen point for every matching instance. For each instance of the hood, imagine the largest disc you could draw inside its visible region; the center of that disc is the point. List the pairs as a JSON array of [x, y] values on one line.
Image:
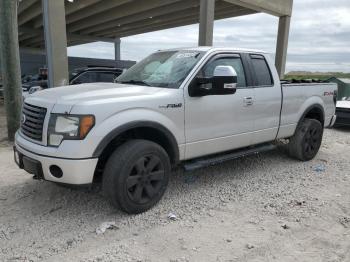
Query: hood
[[343, 104], [71, 95]]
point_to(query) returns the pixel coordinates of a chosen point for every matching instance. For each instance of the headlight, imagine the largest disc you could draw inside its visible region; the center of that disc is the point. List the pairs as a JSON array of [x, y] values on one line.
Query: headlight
[[69, 127]]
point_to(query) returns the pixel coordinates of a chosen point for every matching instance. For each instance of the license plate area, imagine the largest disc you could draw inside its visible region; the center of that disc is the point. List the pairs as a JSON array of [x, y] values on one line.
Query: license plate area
[[30, 165]]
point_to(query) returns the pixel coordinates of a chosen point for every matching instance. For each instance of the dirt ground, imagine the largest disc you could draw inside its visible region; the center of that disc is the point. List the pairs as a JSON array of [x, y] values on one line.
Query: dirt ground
[[260, 208]]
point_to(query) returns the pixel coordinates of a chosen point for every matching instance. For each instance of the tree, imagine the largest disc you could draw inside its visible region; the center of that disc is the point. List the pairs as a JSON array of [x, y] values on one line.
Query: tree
[[10, 64]]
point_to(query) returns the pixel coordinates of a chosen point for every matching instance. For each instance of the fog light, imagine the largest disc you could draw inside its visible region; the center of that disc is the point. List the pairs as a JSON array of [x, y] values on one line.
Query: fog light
[[56, 171], [55, 140]]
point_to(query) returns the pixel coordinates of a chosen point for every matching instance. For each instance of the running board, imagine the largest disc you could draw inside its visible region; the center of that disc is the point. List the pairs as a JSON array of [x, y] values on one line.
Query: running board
[[220, 158]]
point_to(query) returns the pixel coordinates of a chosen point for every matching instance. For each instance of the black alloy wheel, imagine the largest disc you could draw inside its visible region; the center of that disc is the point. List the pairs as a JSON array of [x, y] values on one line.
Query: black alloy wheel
[[145, 179], [306, 142], [136, 175], [312, 140]]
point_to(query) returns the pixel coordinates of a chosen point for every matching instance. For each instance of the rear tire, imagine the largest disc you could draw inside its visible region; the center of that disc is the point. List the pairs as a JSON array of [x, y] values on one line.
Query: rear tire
[[136, 176], [306, 142]]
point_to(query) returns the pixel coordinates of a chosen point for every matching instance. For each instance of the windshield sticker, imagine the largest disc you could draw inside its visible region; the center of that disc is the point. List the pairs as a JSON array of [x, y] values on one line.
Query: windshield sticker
[[186, 55]]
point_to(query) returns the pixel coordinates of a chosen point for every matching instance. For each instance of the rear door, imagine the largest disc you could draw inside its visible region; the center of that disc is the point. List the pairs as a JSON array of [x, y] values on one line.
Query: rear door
[[217, 123], [267, 99]]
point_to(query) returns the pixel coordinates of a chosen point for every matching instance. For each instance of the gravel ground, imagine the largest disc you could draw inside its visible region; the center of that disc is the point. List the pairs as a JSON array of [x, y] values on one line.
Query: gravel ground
[[261, 208], [3, 130]]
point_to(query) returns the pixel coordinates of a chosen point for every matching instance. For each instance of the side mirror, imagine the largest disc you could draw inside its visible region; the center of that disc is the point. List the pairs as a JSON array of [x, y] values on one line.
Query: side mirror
[[225, 77], [224, 82]]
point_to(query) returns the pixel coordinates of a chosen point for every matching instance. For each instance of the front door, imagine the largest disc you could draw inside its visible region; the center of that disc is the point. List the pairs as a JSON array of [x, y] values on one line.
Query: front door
[[218, 123]]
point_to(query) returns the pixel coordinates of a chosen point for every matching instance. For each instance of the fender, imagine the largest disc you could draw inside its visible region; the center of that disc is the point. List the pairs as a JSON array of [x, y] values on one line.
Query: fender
[[318, 106], [135, 124]]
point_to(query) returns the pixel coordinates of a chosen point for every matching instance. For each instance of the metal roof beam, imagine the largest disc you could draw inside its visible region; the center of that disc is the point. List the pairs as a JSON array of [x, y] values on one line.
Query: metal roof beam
[[142, 16], [38, 37], [176, 23], [177, 16], [95, 9], [75, 43], [30, 13], [70, 8], [27, 33], [23, 5], [119, 12], [138, 28], [89, 38], [273, 7], [78, 5]]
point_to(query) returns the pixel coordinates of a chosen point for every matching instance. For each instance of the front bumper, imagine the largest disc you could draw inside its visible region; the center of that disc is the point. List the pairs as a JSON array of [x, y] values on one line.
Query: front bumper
[[74, 171]]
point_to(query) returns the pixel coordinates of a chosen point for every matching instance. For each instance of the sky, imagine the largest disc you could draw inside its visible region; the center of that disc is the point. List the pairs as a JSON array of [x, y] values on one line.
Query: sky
[[319, 37]]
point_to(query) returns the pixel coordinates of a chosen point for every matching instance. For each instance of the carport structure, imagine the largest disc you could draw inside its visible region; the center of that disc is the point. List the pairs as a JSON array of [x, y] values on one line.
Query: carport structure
[[53, 25]]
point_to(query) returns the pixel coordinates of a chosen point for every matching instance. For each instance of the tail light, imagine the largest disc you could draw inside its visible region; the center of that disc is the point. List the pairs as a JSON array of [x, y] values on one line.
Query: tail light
[[335, 96]]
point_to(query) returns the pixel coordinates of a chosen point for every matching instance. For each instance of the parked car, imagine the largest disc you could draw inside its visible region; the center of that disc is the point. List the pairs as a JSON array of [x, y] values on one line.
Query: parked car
[[39, 79], [77, 76], [343, 112], [94, 75], [177, 108]]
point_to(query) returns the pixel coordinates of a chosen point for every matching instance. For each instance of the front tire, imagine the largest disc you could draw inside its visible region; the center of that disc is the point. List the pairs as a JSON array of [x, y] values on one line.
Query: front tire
[[306, 142], [136, 176]]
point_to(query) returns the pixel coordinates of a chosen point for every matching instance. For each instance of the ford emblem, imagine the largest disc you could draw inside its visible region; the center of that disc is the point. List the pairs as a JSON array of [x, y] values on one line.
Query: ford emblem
[[23, 119]]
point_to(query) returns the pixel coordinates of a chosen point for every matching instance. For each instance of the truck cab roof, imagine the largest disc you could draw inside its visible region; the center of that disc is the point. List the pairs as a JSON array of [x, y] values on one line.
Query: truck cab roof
[[214, 49]]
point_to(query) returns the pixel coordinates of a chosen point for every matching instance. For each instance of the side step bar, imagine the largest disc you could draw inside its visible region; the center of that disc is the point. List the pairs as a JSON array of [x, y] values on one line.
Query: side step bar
[[220, 158]]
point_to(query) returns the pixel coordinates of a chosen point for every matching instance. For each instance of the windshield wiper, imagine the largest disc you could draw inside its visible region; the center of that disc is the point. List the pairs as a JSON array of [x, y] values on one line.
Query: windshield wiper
[[135, 82]]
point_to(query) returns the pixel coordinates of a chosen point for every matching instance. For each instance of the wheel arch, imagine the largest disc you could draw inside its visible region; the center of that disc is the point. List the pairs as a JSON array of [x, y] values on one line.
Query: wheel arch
[[315, 111], [147, 130]]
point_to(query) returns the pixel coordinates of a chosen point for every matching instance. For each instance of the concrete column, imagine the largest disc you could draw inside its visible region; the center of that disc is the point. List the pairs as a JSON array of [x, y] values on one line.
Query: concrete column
[[206, 22], [55, 42], [10, 65], [117, 42], [282, 45]]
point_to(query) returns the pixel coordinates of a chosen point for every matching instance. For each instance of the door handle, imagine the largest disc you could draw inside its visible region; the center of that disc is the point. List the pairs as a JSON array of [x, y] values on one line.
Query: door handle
[[248, 101]]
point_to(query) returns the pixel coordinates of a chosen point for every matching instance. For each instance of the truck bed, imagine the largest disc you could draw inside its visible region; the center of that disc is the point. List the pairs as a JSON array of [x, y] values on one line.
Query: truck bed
[[298, 96]]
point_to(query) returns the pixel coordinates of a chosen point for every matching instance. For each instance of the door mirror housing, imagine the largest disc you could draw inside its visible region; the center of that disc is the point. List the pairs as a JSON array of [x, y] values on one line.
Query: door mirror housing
[[224, 82]]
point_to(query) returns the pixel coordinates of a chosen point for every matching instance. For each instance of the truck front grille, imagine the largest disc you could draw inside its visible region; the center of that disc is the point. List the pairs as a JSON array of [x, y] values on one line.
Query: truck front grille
[[33, 121]]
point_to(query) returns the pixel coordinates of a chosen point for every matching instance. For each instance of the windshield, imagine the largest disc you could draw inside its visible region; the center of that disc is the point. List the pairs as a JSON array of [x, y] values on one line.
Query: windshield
[[162, 69]]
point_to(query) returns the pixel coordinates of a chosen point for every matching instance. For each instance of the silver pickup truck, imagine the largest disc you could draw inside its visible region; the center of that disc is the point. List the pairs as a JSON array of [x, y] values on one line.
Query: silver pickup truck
[[183, 107]]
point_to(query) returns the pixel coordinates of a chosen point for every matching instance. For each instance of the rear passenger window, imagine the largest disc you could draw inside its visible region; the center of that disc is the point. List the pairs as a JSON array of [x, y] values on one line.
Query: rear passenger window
[[262, 71]]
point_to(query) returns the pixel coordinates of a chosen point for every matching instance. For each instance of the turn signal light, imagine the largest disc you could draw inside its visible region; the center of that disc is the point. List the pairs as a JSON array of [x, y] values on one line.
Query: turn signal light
[[86, 123]]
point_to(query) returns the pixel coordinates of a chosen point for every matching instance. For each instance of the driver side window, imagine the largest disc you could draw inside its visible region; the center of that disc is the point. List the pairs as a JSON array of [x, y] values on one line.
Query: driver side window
[[86, 77], [235, 62]]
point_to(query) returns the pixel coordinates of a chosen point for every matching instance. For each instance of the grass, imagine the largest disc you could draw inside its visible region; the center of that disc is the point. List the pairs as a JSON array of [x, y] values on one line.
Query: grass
[[315, 75]]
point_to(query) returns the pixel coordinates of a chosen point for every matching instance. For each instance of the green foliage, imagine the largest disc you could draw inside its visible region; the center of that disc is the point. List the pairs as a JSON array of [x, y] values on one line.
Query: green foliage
[[315, 75]]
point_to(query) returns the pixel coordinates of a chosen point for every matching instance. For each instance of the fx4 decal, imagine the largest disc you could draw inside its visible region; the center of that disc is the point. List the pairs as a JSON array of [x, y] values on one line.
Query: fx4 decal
[[328, 94]]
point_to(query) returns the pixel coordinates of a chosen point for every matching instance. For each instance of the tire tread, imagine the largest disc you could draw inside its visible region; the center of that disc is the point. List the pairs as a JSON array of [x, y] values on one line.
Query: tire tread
[[116, 162]]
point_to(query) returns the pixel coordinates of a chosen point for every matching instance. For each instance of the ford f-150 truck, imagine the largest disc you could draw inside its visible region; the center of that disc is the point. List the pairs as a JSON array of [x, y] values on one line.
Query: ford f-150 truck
[[183, 107]]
